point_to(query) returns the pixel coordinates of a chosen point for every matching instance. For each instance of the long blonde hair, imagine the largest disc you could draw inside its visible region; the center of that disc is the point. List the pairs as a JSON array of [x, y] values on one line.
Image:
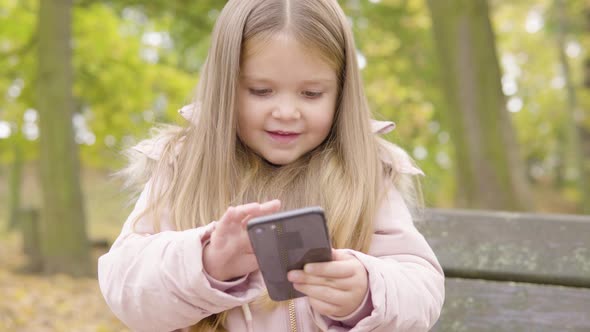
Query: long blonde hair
[[213, 169]]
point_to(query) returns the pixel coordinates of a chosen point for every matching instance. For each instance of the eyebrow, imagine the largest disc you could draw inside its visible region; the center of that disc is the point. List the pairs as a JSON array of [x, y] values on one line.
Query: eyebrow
[[266, 80]]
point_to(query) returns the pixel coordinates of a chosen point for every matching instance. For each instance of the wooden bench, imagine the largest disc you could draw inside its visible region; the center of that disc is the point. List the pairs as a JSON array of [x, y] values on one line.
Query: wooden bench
[[511, 271]]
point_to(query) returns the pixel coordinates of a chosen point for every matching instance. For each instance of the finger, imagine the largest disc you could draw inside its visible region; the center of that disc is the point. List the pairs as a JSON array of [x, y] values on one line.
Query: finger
[[265, 209], [323, 293], [257, 209], [333, 269], [341, 255], [231, 218], [243, 213], [245, 220], [324, 308], [228, 215], [270, 206], [300, 277], [247, 209]]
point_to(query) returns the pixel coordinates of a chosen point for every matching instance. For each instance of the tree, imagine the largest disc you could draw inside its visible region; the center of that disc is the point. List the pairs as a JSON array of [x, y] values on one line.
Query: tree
[[15, 148], [573, 149], [489, 170], [121, 89], [15, 185], [64, 243]]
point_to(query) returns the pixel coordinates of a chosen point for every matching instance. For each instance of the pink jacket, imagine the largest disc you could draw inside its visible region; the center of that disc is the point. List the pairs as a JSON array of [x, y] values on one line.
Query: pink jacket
[[156, 281]]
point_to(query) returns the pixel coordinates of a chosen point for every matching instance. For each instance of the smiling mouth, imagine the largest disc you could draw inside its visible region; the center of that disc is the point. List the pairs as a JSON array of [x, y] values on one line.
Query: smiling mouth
[[283, 136], [282, 133]]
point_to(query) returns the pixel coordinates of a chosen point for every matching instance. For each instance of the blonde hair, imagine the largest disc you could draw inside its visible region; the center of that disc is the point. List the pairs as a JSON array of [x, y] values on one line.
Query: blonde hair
[[214, 170]]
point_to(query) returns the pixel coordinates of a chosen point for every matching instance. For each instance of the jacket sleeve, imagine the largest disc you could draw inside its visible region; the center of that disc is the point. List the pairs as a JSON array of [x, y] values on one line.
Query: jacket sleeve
[[156, 281], [406, 282]]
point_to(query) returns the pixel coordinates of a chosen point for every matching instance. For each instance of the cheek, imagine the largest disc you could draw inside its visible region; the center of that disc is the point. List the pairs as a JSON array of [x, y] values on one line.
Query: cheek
[[325, 117], [247, 106], [248, 117], [242, 122], [244, 112]]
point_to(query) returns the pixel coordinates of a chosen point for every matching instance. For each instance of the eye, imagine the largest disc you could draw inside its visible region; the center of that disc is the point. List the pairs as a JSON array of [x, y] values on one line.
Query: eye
[[312, 94], [260, 92]]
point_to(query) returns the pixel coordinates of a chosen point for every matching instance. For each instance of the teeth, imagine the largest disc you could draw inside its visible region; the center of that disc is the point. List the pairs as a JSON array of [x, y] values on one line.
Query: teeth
[[283, 133]]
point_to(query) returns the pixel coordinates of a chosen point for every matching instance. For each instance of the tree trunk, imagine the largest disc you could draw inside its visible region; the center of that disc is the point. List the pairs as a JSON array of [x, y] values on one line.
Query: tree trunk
[[16, 174], [585, 130], [573, 149], [29, 224], [489, 170], [587, 61], [64, 243]]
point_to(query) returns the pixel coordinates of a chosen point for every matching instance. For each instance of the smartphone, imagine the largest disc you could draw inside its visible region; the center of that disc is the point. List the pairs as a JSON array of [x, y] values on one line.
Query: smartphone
[[287, 241]]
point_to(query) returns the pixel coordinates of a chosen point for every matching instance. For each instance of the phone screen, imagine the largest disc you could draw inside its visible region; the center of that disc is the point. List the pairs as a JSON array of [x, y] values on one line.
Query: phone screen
[[287, 241]]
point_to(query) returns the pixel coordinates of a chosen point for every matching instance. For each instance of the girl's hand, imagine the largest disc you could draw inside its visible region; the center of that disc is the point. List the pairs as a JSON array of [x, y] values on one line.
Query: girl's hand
[[229, 254], [335, 288]]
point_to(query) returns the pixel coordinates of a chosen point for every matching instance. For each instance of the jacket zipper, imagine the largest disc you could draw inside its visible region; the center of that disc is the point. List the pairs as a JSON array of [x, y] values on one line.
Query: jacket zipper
[[284, 259], [292, 316]]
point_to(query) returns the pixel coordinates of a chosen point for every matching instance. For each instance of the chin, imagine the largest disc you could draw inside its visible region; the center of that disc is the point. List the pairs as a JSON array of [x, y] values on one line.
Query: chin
[[278, 161]]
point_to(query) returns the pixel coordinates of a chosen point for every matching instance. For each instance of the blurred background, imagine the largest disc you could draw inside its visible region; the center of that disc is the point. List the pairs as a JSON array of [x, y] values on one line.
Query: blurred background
[[492, 99]]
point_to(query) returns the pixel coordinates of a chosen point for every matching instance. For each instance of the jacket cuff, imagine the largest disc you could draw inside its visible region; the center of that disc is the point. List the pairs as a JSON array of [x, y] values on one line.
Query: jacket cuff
[[224, 285], [363, 310], [218, 295], [220, 285]]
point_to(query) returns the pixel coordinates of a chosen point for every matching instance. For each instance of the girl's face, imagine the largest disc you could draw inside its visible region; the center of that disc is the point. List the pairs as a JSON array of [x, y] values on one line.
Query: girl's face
[[286, 99]]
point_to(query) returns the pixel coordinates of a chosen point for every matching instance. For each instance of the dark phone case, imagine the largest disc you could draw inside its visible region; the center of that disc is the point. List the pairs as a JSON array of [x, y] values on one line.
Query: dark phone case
[[297, 238]]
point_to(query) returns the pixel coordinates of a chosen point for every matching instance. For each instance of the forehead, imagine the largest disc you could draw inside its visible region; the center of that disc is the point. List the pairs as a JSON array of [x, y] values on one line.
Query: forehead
[[281, 57]]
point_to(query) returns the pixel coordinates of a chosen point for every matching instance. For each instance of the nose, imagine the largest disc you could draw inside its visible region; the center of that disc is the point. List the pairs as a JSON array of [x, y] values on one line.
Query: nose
[[287, 109]]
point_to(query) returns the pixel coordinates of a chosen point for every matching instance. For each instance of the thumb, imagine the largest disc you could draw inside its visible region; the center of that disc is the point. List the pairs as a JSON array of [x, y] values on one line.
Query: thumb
[[341, 255]]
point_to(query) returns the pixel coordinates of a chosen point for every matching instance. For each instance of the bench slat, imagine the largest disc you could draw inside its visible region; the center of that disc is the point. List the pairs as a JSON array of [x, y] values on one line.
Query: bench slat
[[551, 249], [477, 305]]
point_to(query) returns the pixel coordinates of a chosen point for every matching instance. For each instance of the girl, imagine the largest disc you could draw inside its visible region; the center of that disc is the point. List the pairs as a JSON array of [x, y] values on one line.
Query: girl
[[280, 119]]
